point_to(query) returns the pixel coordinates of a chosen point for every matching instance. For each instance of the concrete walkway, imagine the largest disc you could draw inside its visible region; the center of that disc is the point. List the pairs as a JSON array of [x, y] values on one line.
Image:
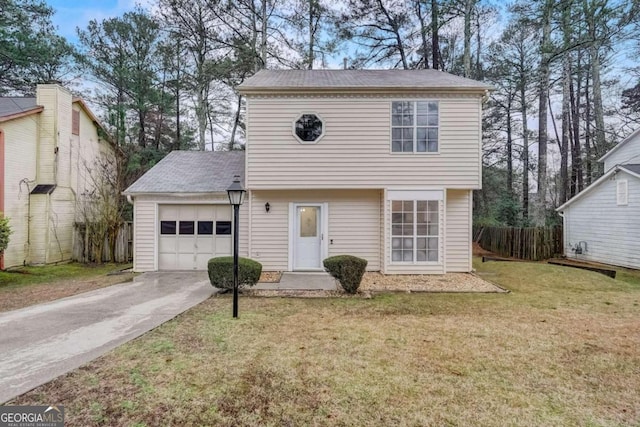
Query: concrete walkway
[[42, 342], [320, 281]]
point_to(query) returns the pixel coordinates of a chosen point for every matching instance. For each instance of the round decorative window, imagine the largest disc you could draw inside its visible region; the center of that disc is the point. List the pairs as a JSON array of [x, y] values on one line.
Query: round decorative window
[[308, 128]]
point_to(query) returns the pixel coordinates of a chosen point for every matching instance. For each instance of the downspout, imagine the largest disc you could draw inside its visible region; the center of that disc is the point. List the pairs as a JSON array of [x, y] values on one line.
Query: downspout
[[26, 182], [565, 233]]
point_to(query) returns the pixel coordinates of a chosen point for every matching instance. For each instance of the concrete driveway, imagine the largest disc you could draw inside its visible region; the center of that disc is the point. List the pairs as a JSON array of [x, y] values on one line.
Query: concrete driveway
[[42, 342]]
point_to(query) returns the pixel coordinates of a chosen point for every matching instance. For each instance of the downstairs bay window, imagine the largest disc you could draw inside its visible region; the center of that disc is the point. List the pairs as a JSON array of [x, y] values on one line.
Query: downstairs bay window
[[415, 231]]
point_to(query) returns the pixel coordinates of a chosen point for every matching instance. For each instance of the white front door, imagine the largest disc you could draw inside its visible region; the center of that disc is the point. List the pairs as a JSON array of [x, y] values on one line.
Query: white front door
[[307, 242]]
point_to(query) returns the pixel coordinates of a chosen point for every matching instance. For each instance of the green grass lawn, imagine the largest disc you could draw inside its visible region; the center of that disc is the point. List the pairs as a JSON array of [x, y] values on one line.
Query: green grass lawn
[[49, 273], [32, 285], [563, 348]]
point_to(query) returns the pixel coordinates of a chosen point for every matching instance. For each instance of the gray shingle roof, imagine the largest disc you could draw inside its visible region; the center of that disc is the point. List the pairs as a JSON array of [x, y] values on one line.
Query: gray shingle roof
[[10, 106], [290, 80], [191, 172], [632, 168]]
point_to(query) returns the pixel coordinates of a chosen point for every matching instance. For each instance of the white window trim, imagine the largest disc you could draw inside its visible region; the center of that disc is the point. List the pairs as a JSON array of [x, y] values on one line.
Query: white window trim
[[415, 236], [622, 201], [304, 113], [415, 127]]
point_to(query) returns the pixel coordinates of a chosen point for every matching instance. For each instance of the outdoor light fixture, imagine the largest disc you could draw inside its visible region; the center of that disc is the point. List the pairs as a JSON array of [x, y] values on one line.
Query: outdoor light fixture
[[236, 197], [267, 207]]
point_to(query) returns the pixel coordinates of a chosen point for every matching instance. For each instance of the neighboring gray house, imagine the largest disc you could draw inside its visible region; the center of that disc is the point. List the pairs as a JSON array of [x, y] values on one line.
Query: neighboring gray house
[[602, 223], [379, 164]]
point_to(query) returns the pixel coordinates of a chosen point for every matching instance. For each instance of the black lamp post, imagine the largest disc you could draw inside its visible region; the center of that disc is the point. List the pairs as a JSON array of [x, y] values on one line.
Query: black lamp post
[[236, 197]]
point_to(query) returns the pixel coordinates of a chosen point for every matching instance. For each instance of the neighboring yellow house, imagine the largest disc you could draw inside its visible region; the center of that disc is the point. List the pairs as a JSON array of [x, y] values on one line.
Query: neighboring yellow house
[[48, 146], [380, 164]]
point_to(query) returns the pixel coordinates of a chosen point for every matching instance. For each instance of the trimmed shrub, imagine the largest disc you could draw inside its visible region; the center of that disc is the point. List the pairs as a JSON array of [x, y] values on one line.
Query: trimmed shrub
[[348, 269], [5, 232], [221, 272]]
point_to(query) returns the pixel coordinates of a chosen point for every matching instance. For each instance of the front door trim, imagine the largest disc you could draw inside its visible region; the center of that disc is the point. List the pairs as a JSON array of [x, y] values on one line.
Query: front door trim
[[324, 232]]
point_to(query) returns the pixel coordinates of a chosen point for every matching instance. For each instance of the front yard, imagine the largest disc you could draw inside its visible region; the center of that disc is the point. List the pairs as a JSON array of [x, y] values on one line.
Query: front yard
[[33, 285], [563, 348]]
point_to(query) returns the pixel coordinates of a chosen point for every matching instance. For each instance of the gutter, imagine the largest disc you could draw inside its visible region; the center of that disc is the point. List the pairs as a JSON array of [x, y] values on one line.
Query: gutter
[[290, 90]]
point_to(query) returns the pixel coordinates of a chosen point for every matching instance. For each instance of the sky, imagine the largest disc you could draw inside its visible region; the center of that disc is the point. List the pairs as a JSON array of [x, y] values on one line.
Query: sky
[[70, 14]]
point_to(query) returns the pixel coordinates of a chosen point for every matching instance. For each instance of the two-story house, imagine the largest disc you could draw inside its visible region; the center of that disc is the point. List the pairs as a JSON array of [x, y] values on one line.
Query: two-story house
[[48, 146], [602, 222], [372, 163]]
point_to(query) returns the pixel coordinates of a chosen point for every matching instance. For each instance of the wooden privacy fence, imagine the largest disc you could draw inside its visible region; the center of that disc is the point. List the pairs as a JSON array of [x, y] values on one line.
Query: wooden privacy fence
[[83, 250], [531, 243]]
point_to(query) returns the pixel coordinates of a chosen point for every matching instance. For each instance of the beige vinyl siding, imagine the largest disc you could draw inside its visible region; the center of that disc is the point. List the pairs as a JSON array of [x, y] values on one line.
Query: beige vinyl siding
[[355, 151], [39, 228], [629, 153], [20, 138], [458, 245], [144, 234], [354, 224], [145, 225], [612, 232], [417, 268]]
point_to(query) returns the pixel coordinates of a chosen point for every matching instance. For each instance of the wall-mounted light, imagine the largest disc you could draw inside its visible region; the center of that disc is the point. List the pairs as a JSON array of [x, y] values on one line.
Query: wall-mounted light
[[267, 207]]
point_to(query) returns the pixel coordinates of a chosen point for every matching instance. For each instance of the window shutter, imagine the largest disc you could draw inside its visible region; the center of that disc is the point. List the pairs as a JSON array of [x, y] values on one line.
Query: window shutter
[[75, 125], [623, 192]]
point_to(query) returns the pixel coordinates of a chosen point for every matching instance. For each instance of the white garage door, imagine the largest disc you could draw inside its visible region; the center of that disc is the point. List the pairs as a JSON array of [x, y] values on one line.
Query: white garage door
[[190, 235]]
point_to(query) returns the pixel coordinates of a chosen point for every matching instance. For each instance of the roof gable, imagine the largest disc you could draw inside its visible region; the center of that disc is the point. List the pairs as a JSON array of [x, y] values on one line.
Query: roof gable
[[622, 143], [633, 170], [191, 172]]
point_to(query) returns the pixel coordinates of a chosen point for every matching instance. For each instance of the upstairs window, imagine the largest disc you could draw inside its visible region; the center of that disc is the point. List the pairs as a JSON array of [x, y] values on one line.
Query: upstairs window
[[308, 128], [414, 126]]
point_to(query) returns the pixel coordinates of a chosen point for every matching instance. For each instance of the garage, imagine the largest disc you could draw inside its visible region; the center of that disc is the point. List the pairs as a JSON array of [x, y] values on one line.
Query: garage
[[181, 212], [191, 234]]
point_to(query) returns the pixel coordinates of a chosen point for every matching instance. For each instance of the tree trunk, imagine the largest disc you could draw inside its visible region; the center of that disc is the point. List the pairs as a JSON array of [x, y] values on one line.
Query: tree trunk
[[201, 115], [566, 129], [466, 61], [479, 74], [525, 155], [177, 144], [142, 132], [543, 91], [594, 58], [236, 122], [423, 35], [576, 150], [435, 42], [587, 134], [509, 149], [311, 43], [396, 32], [566, 103], [263, 39], [574, 140]]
